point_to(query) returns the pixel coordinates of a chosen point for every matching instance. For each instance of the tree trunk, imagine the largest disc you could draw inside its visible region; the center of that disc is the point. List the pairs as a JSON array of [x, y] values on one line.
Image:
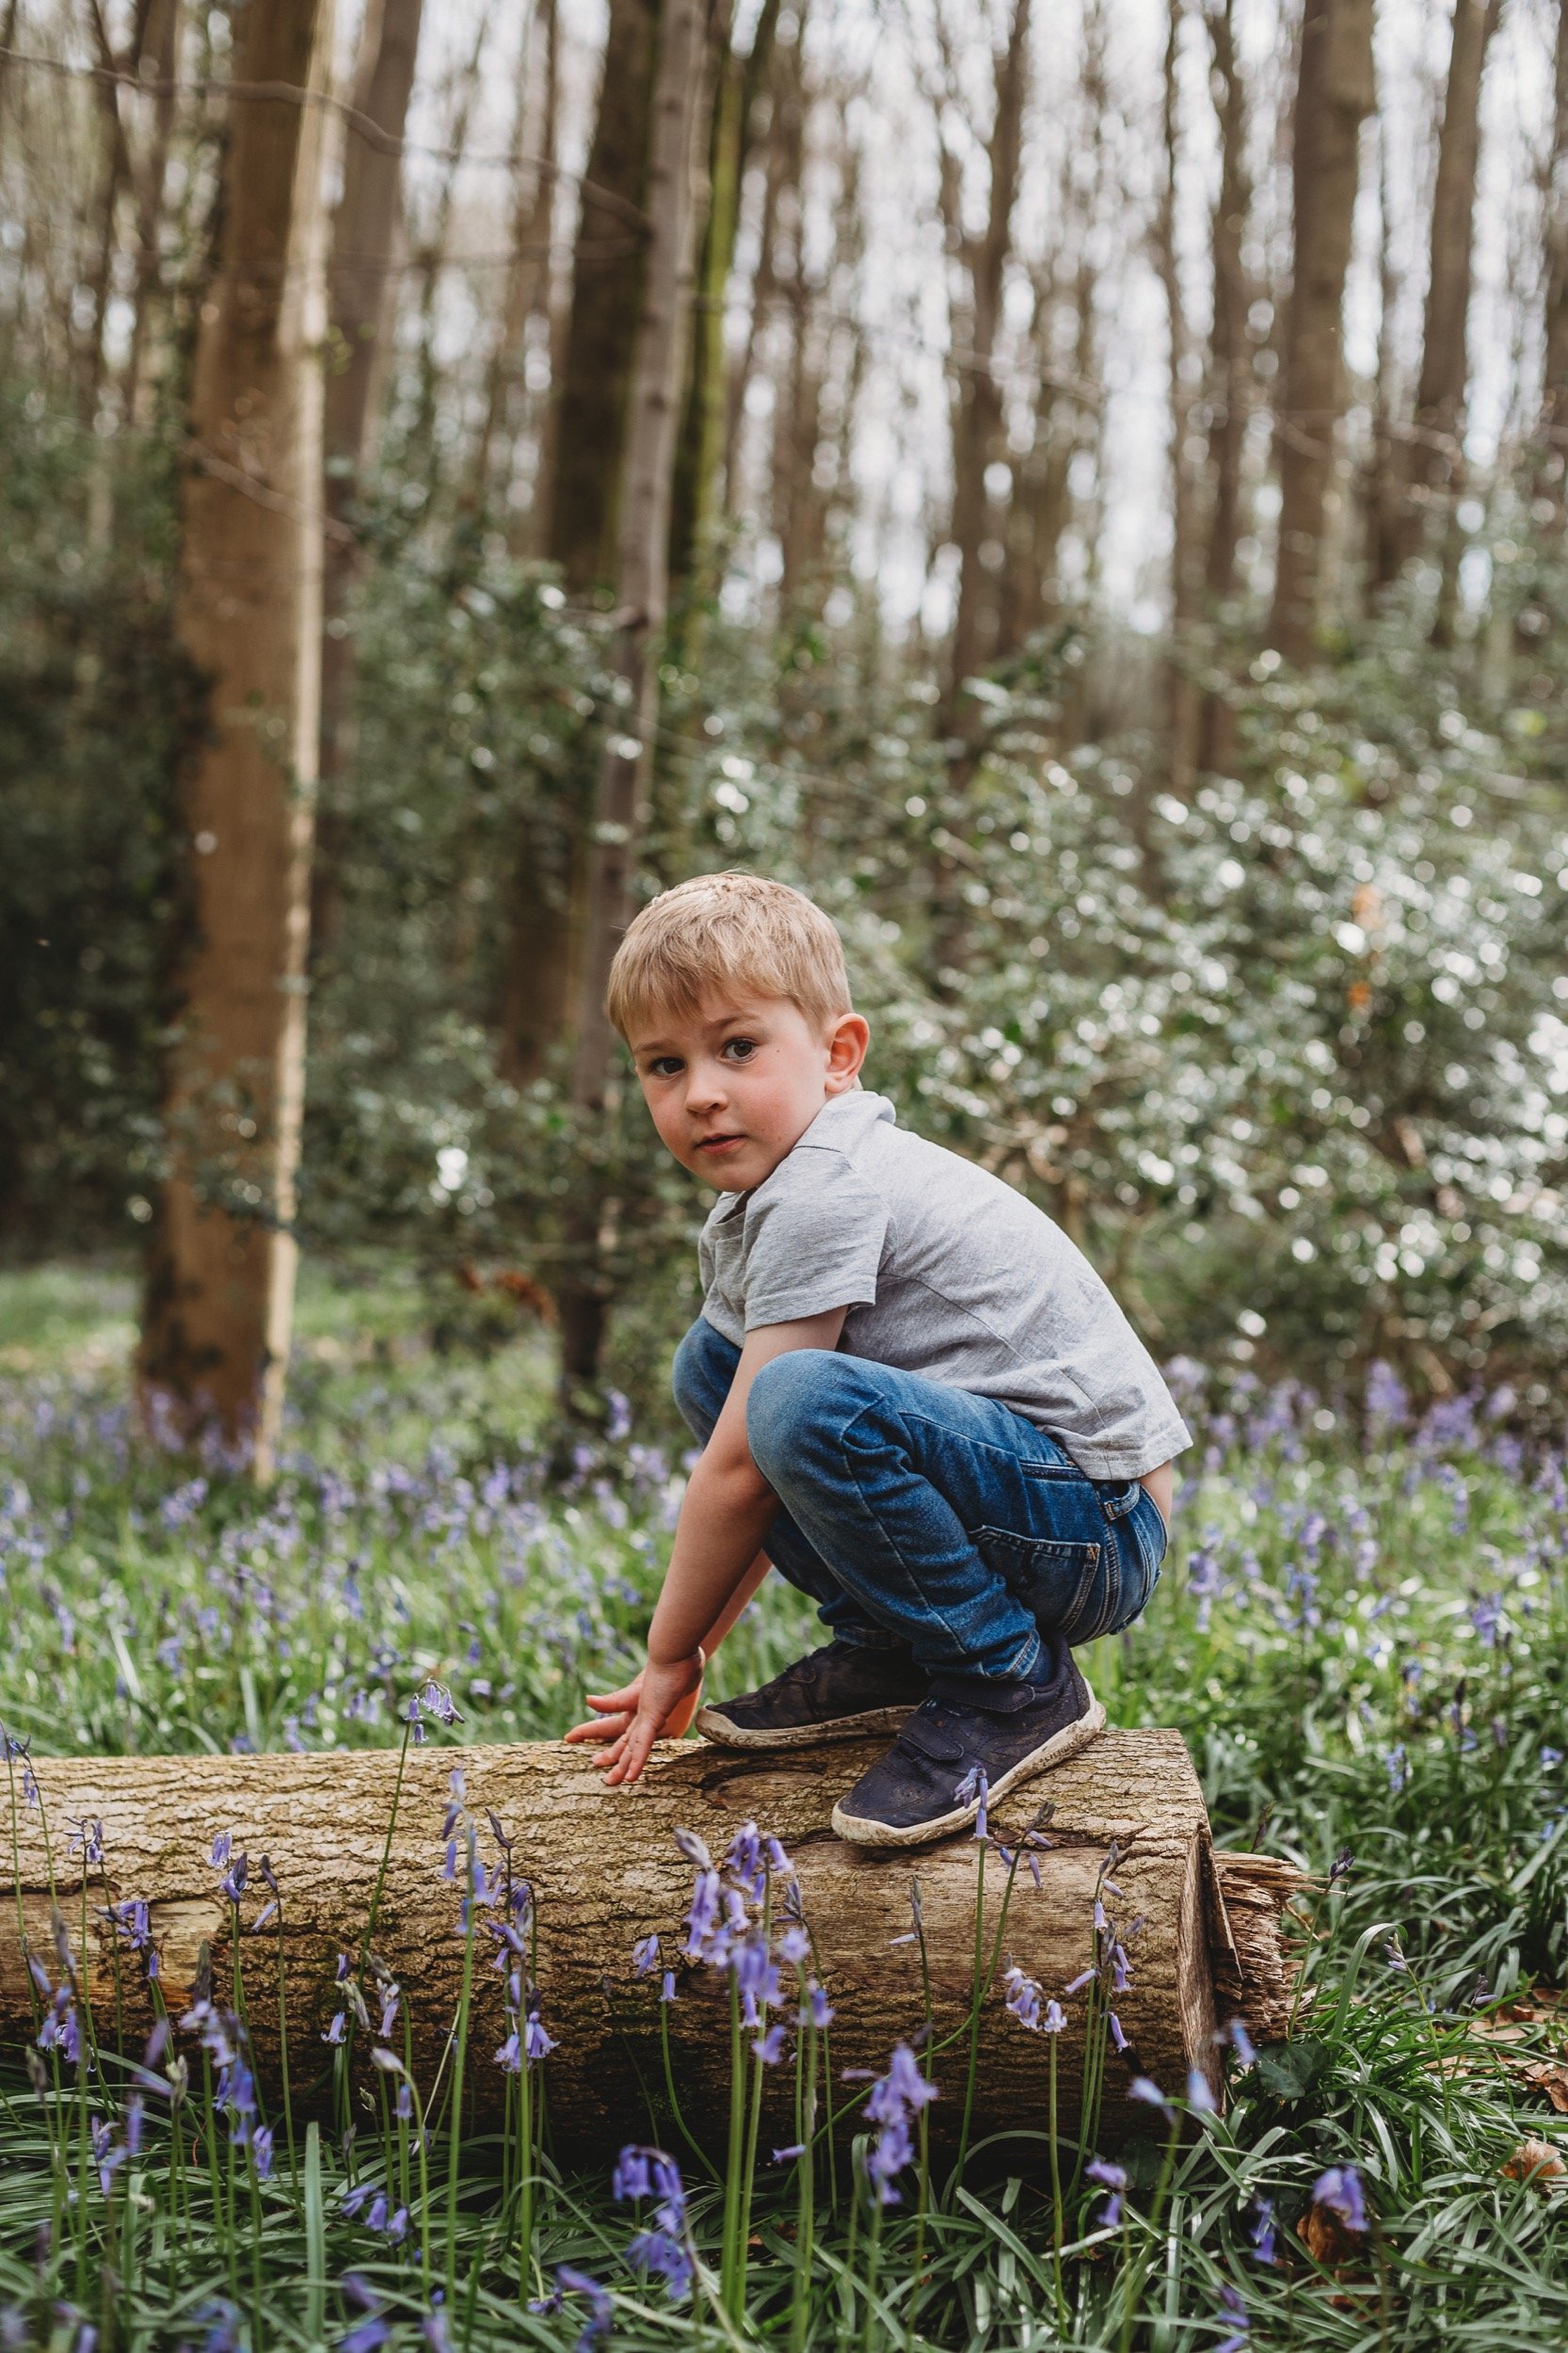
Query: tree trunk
[[1333, 93], [699, 451], [364, 227], [1434, 467], [586, 433], [682, 91], [1230, 371], [605, 1872], [1182, 693], [591, 399], [221, 1280], [977, 413], [1553, 436], [527, 292], [159, 45]]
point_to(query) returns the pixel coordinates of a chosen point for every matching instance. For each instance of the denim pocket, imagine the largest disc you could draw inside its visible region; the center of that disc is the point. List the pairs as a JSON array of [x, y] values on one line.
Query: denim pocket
[[1068, 1588], [1140, 1538]]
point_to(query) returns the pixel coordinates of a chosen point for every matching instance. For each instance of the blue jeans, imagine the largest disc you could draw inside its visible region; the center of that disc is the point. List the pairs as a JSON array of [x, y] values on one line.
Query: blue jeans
[[913, 1512]]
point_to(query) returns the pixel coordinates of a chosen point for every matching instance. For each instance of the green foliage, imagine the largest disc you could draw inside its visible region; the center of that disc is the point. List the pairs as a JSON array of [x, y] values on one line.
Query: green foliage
[[95, 713]]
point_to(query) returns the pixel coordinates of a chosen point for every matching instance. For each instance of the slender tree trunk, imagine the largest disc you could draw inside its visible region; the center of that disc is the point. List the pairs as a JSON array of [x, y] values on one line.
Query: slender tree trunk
[[976, 437], [681, 100], [700, 454], [364, 227], [1334, 94], [528, 280], [1230, 359], [1553, 435], [587, 428], [160, 49], [1181, 706], [607, 279], [221, 1282], [1434, 469]]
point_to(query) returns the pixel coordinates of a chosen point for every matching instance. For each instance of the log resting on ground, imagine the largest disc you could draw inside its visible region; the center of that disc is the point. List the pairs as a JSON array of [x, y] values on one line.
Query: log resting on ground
[[606, 1872]]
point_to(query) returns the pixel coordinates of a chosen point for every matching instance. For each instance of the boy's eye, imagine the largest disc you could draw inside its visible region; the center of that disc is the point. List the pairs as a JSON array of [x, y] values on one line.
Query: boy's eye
[[664, 1066], [740, 1048]]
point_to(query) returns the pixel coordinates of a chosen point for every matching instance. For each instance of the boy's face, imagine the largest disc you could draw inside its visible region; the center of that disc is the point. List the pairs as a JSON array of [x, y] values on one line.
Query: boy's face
[[735, 1085]]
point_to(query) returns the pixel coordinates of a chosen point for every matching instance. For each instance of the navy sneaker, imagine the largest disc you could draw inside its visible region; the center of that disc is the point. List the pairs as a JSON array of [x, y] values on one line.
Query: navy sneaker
[[832, 1694], [912, 1794]]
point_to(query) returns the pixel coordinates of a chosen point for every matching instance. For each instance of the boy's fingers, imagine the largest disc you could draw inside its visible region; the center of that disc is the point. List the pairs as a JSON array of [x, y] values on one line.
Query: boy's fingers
[[625, 1699]]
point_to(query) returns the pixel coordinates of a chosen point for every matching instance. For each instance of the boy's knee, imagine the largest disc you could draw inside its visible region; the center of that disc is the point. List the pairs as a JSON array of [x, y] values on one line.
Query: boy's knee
[[700, 1376], [794, 1399]]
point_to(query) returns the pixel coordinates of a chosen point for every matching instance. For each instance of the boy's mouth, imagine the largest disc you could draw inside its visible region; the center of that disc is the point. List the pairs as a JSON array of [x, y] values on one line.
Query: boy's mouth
[[716, 1144]]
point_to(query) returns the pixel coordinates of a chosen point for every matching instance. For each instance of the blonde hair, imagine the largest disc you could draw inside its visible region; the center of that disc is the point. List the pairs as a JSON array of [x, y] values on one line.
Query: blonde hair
[[726, 931]]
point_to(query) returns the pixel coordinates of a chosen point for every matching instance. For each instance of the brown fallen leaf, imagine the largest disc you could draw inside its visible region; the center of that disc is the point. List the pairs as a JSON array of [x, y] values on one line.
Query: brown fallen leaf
[[1326, 2238], [1535, 2161]]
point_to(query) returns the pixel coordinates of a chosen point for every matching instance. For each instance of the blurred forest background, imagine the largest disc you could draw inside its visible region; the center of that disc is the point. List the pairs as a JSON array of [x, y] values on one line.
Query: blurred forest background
[[1078, 486]]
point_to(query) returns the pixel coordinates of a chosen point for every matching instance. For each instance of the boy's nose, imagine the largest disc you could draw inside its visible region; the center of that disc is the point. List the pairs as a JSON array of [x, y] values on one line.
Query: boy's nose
[[704, 1088]]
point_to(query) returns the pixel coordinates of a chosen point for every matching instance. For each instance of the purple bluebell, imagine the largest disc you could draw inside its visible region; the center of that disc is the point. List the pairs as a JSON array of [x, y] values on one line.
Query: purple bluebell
[[644, 1956], [974, 1785], [1341, 2193], [666, 1992], [1144, 2088], [1118, 2036], [1023, 1997], [1260, 2229], [1200, 2100], [1242, 2043], [570, 2282], [769, 2047], [1113, 2178], [694, 1848], [784, 2157], [1233, 2310]]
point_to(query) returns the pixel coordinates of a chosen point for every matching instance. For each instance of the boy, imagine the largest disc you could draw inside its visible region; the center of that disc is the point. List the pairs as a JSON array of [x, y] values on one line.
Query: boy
[[915, 1397]]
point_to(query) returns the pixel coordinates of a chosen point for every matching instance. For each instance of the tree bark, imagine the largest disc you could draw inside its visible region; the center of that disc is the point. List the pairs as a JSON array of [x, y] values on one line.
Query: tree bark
[[363, 236], [1434, 462], [977, 412], [363, 230], [1230, 362], [682, 91], [605, 1872], [1333, 93], [1553, 436], [607, 280], [529, 276], [699, 450], [1182, 693], [221, 1280]]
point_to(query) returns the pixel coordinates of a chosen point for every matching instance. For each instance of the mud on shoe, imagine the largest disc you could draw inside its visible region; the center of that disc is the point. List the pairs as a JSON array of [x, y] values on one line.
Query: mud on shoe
[[951, 1745], [839, 1692]]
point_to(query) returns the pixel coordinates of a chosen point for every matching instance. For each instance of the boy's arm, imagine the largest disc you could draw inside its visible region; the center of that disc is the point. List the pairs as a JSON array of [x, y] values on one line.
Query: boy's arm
[[724, 1519], [613, 1710]]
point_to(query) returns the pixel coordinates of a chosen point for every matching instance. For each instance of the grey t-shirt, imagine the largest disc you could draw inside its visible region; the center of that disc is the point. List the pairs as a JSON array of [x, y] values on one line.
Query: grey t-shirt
[[946, 1271]]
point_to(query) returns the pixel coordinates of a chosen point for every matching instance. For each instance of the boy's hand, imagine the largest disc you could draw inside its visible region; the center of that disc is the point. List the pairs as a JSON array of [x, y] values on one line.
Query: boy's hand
[[666, 1696], [613, 1712]]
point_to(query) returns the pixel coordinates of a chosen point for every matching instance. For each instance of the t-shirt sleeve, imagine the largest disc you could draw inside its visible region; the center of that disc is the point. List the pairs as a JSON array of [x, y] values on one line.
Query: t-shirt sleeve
[[813, 1242]]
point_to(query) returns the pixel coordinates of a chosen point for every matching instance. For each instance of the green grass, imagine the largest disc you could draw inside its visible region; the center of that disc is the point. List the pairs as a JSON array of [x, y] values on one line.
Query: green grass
[[1362, 1632]]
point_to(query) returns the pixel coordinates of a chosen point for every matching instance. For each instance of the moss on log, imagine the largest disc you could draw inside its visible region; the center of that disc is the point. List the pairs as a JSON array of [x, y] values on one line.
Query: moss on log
[[606, 1872]]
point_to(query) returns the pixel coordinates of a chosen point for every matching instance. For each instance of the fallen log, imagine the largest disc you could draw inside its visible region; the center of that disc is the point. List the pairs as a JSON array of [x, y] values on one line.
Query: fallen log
[[358, 1844]]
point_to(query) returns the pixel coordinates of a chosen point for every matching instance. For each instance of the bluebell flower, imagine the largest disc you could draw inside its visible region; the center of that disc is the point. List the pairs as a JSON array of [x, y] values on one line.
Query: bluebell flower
[[1144, 2088], [1233, 2310], [1260, 2229], [644, 1956], [1023, 1997], [570, 2282], [1113, 2178], [1199, 2098], [1242, 2043], [769, 2047], [1341, 2193]]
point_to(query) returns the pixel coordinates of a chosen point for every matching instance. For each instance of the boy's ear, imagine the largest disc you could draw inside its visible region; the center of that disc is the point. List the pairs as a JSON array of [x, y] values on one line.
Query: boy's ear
[[847, 1042]]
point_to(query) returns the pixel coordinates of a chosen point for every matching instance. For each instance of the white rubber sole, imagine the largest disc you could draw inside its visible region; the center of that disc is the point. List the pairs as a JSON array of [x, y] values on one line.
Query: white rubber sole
[[1056, 1751], [715, 1725]]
